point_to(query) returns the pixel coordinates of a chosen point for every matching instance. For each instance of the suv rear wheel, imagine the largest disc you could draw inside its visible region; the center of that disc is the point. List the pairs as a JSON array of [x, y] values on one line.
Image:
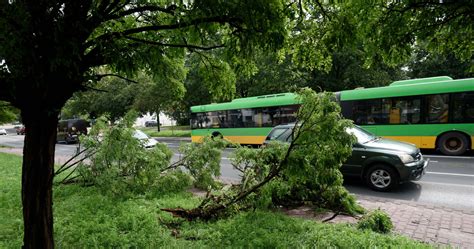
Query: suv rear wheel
[[382, 178]]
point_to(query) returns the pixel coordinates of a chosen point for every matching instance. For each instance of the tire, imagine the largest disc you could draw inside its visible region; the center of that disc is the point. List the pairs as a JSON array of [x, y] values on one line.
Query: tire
[[216, 135], [382, 178], [453, 144]]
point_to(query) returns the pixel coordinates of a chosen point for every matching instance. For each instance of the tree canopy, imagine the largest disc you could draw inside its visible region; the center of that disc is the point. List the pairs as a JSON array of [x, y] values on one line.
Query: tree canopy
[[51, 49], [7, 113]]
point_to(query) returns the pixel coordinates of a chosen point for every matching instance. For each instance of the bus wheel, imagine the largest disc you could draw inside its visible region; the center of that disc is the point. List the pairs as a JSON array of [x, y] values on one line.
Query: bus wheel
[[216, 135], [453, 144]]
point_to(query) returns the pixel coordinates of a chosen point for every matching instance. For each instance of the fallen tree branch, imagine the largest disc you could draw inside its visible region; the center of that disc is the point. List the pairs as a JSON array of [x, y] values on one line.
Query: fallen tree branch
[[332, 217]]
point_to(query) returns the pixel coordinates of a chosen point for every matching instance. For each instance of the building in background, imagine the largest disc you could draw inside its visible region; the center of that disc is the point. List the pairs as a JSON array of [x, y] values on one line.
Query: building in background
[[164, 119]]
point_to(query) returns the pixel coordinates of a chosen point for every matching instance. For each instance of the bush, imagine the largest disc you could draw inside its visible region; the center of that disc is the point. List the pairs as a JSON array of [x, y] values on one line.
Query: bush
[[120, 164], [377, 221]]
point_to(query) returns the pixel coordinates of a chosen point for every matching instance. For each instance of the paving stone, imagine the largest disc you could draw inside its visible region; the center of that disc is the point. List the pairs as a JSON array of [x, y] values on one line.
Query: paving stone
[[439, 225]]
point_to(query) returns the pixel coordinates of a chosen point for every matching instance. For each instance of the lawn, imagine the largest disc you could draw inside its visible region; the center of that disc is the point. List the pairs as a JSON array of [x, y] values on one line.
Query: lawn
[[86, 218], [167, 131]]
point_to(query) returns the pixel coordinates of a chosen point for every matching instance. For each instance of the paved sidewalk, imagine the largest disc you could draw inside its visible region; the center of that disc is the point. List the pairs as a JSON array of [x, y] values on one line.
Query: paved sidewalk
[[432, 224], [435, 225]]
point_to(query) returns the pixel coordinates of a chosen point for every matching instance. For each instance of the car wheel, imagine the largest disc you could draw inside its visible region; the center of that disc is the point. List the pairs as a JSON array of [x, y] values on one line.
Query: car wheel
[[382, 178], [453, 144]]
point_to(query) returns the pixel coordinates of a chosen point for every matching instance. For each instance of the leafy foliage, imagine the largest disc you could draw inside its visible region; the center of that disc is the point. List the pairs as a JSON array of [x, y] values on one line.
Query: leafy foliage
[[120, 163], [202, 160], [426, 64], [391, 29], [7, 112], [304, 171], [114, 97], [377, 221], [319, 146]]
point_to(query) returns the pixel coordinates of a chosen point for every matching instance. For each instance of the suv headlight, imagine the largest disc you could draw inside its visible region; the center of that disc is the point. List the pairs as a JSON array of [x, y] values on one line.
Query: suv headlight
[[405, 158]]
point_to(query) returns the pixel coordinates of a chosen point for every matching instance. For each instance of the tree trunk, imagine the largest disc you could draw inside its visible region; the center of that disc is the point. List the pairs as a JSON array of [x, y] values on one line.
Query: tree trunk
[[158, 120], [37, 178]]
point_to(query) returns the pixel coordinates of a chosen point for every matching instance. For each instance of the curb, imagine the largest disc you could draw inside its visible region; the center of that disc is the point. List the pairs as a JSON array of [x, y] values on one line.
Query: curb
[[414, 204], [167, 139]]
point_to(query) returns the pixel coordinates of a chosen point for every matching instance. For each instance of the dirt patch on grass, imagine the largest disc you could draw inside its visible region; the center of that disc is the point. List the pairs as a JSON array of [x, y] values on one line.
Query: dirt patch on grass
[[304, 212]]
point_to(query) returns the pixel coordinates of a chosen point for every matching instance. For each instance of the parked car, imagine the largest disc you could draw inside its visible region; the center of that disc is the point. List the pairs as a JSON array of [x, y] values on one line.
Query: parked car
[[20, 130], [147, 141], [3, 131], [69, 130], [381, 163], [151, 123]]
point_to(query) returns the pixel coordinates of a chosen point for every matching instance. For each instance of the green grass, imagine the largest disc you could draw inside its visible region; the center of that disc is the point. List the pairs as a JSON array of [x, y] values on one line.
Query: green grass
[[167, 132], [86, 218]]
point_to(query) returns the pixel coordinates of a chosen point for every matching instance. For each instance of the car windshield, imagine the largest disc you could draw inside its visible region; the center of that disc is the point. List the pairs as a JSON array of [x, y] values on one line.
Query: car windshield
[[280, 134], [362, 135], [140, 135]]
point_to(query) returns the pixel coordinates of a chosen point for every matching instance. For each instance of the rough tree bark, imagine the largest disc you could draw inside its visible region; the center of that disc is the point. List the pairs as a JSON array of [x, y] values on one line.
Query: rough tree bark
[[37, 177]]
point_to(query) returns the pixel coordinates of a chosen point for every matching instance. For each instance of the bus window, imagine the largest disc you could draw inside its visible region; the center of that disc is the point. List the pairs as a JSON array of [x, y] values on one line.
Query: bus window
[[222, 119], [213, 118], [235, 118], [270, 117], [463, 107], [251, 117], [408, 110], [437, 108], [367, 111], [288, 114], [199, 120]]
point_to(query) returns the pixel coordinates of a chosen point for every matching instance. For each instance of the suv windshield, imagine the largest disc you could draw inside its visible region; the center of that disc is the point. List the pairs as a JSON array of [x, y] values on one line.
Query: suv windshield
[[362, 135], [280, 134]]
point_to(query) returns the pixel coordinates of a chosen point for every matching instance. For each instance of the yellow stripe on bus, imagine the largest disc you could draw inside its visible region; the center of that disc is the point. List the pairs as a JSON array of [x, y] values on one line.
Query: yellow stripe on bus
[[236, 139], [425, 142]]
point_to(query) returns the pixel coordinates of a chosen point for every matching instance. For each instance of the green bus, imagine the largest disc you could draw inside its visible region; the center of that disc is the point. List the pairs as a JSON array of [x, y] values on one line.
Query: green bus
[[244, 120], [432, 113]]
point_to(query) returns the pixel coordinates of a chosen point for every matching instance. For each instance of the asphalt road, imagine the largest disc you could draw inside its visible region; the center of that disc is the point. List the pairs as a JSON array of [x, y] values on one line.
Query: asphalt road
[[449, 181]]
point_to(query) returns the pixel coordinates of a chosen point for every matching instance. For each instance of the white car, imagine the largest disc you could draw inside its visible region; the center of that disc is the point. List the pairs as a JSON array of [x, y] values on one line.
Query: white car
[[3, 131], [147, 141]]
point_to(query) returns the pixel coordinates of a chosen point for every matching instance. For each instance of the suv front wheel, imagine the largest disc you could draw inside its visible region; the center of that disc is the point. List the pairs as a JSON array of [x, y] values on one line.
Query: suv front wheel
[[381, 177]]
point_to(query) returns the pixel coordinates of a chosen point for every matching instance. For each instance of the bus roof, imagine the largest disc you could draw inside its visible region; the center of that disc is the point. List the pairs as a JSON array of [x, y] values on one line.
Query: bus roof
[[421, 80], [420, 88], [251, 102]]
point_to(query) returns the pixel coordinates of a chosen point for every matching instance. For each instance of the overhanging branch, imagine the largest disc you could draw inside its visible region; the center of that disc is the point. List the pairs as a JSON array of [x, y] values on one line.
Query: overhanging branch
[[169, 10], [100, 76], [189, 46], [179, 25]]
